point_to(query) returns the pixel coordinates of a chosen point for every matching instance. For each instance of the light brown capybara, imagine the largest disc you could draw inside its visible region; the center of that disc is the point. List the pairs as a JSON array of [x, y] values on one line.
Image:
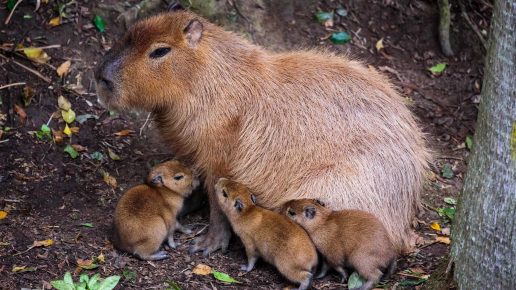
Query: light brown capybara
[[346, 238], [145, 215], [267, 234], [300, 124]]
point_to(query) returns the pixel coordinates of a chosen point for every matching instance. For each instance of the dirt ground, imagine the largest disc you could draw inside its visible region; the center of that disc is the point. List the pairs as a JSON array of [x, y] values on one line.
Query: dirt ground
[[49, 195]]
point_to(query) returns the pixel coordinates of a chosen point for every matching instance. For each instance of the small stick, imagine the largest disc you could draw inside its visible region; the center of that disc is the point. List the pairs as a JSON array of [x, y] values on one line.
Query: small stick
[[12, 11], [42, 47], [11, 85], [473, 26], [36, 73], [144, 124]]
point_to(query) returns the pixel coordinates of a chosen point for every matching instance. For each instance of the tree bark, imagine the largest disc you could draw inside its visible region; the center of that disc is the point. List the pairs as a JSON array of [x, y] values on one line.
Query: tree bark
[[484, 236], [444, 27]]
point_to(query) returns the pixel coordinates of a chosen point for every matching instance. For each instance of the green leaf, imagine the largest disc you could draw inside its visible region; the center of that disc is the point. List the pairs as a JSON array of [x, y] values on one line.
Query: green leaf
[[437, 69], [342, 12], [43, 133], [223, 277], [113, 155], [96, 156], [81, 286], [99, 23], [83, 118], [173, 285], [87, 225], [340, 37], [94, 281], [322, 17], [450, 200], [84, 278], [61, 285], [469, 142], [69, 149], [68, 116], [406, 283], [129, 275], [10, 4], [68, 278], [7, 129], [355, 281], [447, 171], [109, 283], [449, 212]]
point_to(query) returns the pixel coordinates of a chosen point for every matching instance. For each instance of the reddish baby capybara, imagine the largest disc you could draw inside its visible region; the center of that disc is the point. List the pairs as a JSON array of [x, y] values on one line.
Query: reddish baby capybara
[[290, 125]]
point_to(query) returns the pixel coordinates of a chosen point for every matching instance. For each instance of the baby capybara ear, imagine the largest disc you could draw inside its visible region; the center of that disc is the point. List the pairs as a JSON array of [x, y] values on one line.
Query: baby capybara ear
[[193, 32], [310, 212], [175, 5], [253, 198], [239, 205], [156, 181], [320, 202], [290, 212]]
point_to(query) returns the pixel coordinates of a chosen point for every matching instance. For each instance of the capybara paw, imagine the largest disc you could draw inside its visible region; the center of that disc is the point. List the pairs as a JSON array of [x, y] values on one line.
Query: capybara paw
[[210, 243], [171, 243], [245, 268], [157, 256]]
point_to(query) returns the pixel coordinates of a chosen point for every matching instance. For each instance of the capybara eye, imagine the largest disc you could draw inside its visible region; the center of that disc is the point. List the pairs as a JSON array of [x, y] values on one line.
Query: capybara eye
[[224, 193], [178, 177], [159, 52]]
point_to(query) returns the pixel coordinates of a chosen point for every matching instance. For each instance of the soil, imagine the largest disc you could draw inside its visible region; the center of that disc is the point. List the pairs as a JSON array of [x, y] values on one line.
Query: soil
[[49, 195]]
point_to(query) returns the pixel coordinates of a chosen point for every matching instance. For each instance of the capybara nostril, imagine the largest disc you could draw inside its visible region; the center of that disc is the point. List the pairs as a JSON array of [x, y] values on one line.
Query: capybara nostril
[[106, 74]]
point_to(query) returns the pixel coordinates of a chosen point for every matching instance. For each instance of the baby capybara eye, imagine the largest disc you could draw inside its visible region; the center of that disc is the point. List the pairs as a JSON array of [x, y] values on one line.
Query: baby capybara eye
[[224, 193], [178, 177], [159, 52]]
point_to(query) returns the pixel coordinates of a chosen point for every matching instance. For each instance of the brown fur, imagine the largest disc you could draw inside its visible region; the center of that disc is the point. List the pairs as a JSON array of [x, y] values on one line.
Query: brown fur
[[346, 238], [302, 124], [145, 215], [267, 234]]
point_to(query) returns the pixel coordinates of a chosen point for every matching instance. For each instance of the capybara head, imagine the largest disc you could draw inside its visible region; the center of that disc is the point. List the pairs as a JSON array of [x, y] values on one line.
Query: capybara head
[[165, 49], [233, 197], [174, 176], [306, 212]]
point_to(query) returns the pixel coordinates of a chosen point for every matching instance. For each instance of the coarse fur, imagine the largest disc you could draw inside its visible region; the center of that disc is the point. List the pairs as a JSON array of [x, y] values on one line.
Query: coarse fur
[[145, 215], [267, 234], [300, 124], [346, 238]]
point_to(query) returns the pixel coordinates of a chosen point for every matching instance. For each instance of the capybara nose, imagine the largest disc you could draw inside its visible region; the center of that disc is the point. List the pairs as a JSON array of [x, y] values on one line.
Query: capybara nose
[[106, 74]]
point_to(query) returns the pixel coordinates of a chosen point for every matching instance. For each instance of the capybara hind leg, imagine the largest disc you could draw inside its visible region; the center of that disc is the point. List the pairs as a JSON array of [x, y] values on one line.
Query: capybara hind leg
[[343, 273], [219, 232], [155, 256], [182, 228], [306, 282], [324, 269]]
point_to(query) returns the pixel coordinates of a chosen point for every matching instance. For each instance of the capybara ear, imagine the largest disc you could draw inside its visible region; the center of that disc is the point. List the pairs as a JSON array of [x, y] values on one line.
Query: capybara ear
[[239, 205], [156, 181], [310, 212], [193, 32], [290, 212], [253, 198], [320, 202], [175, 5]]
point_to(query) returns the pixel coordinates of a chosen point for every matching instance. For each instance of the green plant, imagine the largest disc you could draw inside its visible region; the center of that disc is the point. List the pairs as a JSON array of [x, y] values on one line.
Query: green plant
[[86, 283]]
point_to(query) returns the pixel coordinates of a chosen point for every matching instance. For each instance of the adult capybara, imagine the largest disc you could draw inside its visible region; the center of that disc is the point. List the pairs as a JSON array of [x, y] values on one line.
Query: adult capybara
[[301, 124]]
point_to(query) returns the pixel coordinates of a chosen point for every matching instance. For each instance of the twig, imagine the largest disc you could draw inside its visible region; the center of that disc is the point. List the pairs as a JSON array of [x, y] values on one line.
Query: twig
[[12, 11], [444, 27], [42, 47], [144, 124], [11, 85], [473, 26], [450, 157], [36, 73]]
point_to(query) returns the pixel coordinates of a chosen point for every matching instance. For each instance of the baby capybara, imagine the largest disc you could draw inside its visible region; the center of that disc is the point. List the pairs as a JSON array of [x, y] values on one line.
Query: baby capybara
[[289, 125]]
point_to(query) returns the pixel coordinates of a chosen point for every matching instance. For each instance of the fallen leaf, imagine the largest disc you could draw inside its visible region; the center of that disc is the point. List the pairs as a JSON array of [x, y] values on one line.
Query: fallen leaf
[[124, 132], [79, 148], [113, 155], [55, 21], [63, 103], [202, 269], [71, 151], [82, 118], [10, 4], [437, 69], [325, 18], [435, 226], [355, 281], [44, 243], [109, 180], [417, 270], [44, 133], [21, 113], [469, 142], [87, 225], [64, 68], [379, 44], [101, 259], [68, 116], [447, 171], [3, 244], [86, 264], [99, 23], [28, 94], [342, 12], [96, 156], [20, 269], [443, 240], [450, 200], [3, 214], [445, 231], [340, 37], [74, 130], [36, 54], [223, 277], [67, 130]]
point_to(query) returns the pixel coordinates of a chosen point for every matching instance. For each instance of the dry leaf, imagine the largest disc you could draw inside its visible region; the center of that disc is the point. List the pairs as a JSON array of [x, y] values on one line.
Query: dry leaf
[[28, 94], [74, 130], [435, 226], [44, 243], [202, 269], [36, 54], [18, 268], [58, 136], [445, 231], [63, 103], [417, 270], [21, 113], [64, 68], [55, 21], [109, 180], [379, 44], [124, 132], [3, 214], [443, 240], [86, 264], [1, 133], [79, 148], [67, 131], [101, 258], [113, 155]]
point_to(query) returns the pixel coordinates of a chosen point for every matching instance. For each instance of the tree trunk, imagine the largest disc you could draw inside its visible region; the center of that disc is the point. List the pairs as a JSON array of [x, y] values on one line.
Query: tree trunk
[[484, 236]]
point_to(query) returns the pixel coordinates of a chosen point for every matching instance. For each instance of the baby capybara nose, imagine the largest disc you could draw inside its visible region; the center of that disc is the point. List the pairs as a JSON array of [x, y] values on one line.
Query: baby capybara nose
[[106, 74]]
